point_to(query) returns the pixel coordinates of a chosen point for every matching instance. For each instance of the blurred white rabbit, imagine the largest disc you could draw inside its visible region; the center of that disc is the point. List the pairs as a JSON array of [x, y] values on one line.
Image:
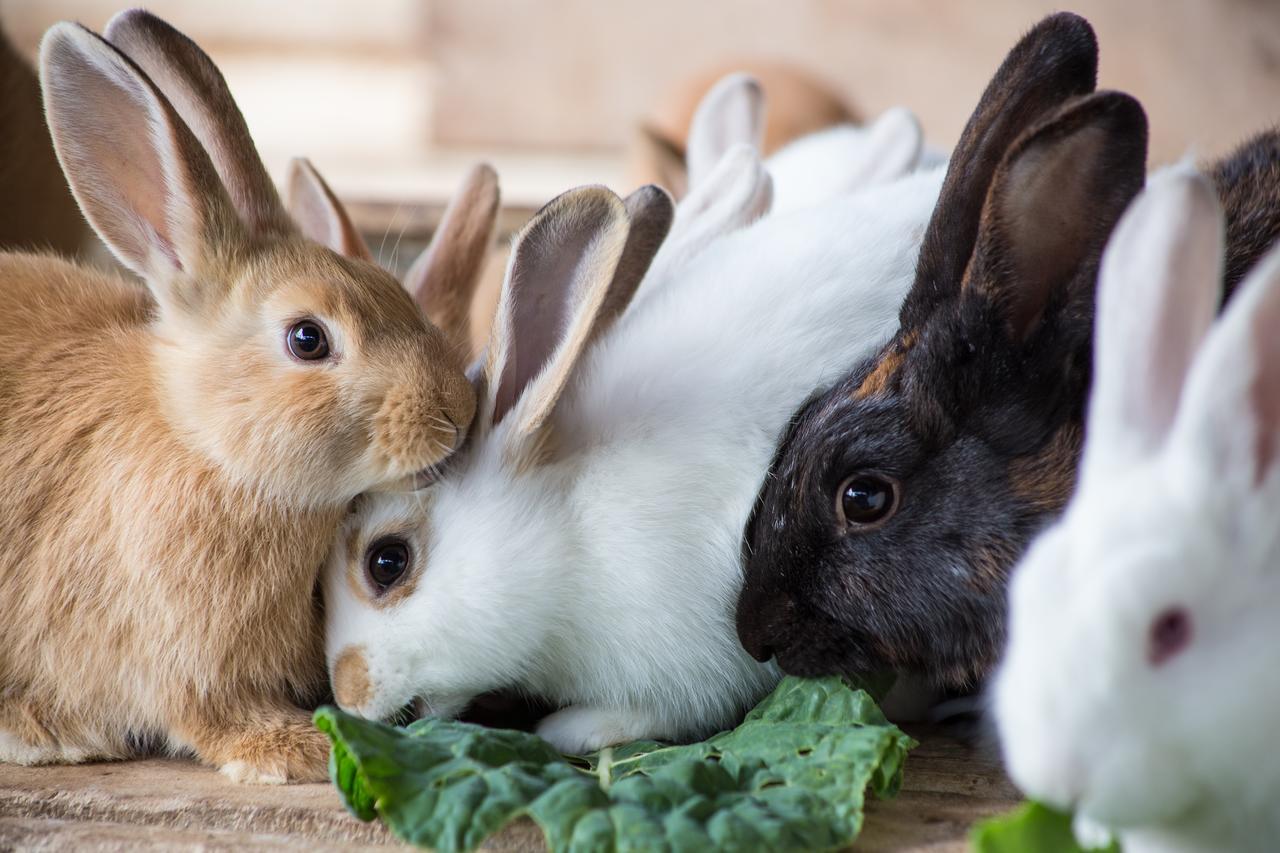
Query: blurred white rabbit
[[1138, 688]]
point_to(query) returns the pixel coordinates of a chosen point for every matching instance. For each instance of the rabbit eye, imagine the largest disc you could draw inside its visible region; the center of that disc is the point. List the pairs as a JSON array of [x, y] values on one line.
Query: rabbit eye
[[387, 562], [866, 500], [1170, 633], [307, 341]]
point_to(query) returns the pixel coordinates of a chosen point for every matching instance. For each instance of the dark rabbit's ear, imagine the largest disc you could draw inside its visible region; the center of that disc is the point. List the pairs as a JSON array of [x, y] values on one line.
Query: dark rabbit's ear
[[1055, 61], [1053, 203]]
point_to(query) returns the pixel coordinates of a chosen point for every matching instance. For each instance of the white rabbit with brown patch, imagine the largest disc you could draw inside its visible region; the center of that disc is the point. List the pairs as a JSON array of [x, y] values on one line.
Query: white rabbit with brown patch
[[585, 546]]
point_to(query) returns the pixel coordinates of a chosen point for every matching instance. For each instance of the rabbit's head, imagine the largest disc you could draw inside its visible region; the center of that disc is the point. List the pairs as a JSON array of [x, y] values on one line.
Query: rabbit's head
[[442, 594], [304, 375], [900, 498]]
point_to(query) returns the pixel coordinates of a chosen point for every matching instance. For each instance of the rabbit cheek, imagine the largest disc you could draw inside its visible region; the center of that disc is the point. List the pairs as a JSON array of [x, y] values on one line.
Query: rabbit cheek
[[1044, 481]]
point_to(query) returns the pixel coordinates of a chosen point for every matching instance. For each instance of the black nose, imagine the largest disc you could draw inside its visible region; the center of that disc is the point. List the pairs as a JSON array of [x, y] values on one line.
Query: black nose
[[760, 611], [756, 644]]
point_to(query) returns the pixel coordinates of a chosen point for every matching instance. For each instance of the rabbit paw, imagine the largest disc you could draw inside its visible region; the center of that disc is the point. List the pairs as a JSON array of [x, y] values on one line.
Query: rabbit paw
[[578, 730], [15, 750], [290, 753]]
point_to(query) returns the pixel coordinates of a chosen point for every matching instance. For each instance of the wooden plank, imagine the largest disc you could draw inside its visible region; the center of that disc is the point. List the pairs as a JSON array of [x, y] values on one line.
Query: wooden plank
[[176, 804]]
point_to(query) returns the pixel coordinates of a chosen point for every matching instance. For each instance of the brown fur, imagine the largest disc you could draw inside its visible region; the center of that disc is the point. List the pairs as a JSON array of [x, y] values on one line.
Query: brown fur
[[880, 379], [1046, 479], [444, 278], [171, 479], [351, 685], [39, 212]]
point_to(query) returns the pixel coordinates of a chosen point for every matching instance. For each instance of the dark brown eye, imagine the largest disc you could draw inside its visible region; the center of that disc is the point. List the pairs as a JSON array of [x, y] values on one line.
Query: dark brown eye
[[1170, 634], [866, 500], [307, 341], [387, 562]]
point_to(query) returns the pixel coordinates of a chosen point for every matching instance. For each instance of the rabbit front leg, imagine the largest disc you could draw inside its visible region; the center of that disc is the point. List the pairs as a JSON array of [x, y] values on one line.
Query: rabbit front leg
[[31, 736], [580, 729], [264, 744]]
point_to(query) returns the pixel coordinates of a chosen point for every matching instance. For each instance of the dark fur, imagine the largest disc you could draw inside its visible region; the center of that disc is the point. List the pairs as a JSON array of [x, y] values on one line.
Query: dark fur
[[1248, 183], [976, 407]]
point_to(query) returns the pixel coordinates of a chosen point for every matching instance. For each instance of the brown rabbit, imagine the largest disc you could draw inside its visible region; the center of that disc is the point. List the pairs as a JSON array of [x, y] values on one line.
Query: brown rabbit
[[168, 495], [39, 212]]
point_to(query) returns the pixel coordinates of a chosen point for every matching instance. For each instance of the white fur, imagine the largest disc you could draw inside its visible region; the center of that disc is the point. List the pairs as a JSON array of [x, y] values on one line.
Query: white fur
[[845, 158], [606, 580], [1172, 510]]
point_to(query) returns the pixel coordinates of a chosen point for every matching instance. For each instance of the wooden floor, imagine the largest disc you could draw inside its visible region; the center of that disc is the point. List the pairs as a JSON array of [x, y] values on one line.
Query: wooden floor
[[172, 804]]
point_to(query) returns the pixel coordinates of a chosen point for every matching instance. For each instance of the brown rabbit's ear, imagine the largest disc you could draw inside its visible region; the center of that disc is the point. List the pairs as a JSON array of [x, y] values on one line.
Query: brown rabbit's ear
[[1053, 203], [558, 279], [650, 211], [731, 113], [1056, 60], [319, 214], [140, 177], [196, 89], [444, 277]]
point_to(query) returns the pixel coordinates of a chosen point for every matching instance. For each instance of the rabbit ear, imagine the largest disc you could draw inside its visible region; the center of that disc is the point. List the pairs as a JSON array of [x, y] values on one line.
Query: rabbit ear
[[1229, 420], [650, 212], [444, 278], [730, 114], [196, 89], [890, 149], [319, 214], [736, 194], [1055, 61], [558, 279], [846, 158], [1157, 294], [1052, 204], [144, 183]]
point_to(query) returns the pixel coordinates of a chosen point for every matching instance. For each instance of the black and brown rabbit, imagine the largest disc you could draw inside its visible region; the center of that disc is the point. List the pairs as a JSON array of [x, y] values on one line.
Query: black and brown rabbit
[[900, 499]]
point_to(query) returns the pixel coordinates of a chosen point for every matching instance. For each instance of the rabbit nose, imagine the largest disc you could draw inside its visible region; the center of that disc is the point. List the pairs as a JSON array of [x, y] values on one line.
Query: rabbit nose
[[760, 614]]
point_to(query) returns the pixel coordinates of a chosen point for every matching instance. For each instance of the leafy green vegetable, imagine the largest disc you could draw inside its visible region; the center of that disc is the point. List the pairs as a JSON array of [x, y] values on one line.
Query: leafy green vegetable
[[1032, 827], [792, 776]]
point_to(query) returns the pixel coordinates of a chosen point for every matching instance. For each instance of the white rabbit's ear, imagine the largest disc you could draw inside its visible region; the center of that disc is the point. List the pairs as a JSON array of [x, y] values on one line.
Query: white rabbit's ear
[[444, 278], [319, 214], [1158, 290], [890, 149], [650, 212], [195, 88], [139, 175], [1229, 419], [558, 280], [846, 158], [737, 193], [730, 114]]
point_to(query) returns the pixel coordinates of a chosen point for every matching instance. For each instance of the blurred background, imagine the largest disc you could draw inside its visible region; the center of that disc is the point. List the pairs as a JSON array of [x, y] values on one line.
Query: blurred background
[[392, 99]]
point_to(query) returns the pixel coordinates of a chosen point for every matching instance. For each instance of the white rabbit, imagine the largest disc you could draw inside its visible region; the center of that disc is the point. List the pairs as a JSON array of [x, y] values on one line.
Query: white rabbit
[[1138, 687], [847, 158], [730, 188], [586, 546]]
